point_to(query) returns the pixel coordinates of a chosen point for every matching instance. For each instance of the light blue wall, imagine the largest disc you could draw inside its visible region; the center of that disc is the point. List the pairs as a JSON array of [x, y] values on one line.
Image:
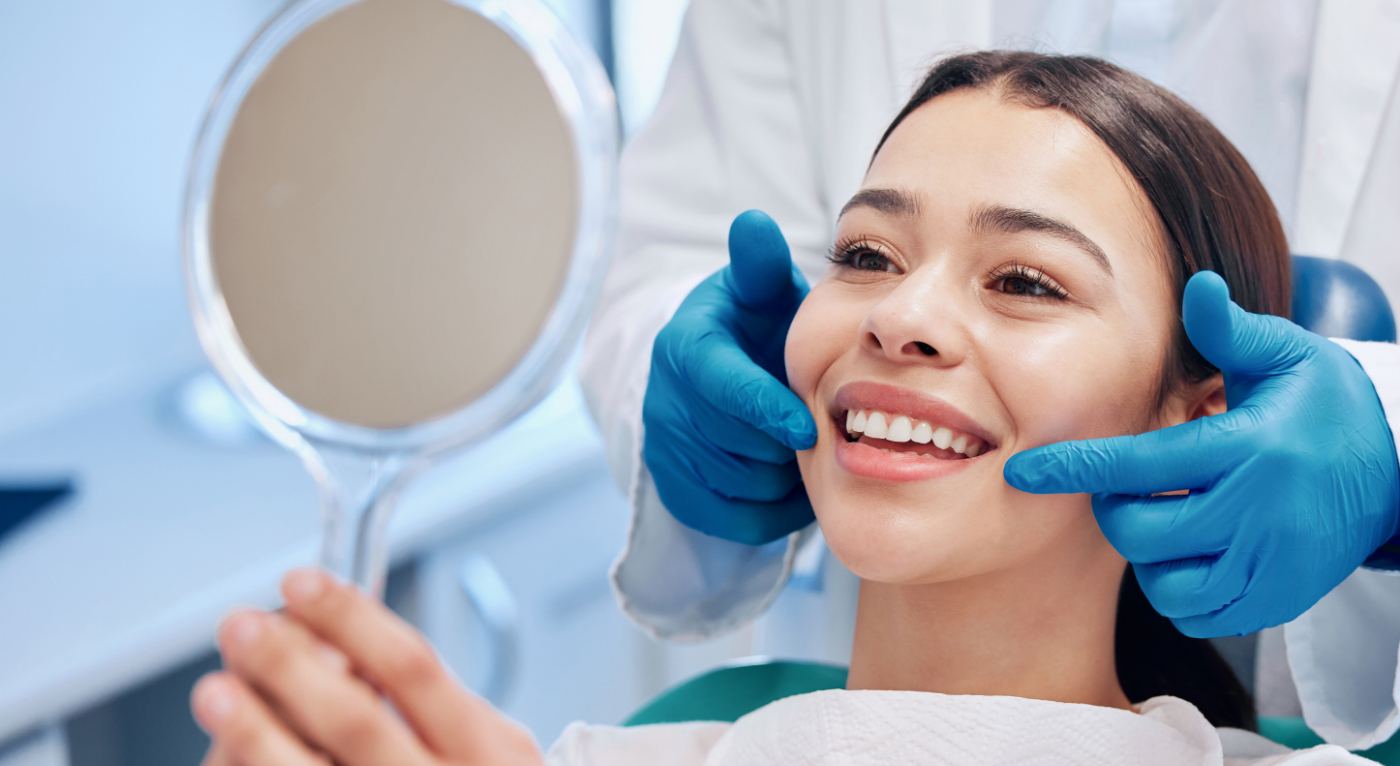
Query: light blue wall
[[99, 103]]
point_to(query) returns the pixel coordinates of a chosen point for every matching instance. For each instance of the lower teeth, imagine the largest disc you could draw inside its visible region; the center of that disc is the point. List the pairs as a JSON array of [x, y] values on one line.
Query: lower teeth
[[959, 455]]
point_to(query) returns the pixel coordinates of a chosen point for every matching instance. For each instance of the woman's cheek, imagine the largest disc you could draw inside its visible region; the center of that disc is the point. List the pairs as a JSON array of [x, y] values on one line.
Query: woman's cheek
[[1060, 388]]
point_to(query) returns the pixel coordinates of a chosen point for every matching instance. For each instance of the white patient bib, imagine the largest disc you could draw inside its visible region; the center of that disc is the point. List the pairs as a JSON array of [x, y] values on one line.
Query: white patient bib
[[839, 727]]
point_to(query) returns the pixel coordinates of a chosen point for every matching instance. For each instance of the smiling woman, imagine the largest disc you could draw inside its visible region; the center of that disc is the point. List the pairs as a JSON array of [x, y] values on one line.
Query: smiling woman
[[1008, 276]]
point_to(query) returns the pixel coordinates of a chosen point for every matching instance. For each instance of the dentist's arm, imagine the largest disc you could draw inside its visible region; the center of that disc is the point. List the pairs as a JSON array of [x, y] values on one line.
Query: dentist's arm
[[728, 134], [1292, 489]]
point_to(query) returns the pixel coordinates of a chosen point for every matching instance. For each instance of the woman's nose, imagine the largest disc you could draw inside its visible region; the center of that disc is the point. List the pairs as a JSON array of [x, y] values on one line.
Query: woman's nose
[[918, 322]]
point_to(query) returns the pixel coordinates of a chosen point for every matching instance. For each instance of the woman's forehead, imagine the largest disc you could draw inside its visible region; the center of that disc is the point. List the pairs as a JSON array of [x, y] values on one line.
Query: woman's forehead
[[967, 130], [969, 151]]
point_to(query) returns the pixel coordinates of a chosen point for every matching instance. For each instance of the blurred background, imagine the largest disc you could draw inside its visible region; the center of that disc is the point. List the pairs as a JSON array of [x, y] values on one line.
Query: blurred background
[[137, 504]]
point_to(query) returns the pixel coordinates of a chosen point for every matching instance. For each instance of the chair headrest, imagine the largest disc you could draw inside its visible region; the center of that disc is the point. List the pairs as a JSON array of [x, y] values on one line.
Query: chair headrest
[[1336, 299]]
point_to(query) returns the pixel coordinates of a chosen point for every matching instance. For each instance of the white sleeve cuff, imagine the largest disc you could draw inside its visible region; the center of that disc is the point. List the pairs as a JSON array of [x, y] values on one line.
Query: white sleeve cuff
[[684, 585], [1343, 654]]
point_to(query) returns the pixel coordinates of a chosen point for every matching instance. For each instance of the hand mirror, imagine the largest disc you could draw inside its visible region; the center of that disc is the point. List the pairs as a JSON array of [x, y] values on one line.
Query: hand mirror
[[396, 223]]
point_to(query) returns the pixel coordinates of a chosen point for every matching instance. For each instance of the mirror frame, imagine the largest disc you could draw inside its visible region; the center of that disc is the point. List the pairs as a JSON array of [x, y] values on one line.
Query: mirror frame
[[588, 107]]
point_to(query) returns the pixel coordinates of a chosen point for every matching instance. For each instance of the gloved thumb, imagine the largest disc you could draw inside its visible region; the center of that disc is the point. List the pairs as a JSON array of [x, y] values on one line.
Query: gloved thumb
[[760, 264], [1231, 338]]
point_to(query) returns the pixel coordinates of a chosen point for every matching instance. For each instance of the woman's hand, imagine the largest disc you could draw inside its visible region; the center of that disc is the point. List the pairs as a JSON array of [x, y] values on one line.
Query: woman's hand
[[304, 688]]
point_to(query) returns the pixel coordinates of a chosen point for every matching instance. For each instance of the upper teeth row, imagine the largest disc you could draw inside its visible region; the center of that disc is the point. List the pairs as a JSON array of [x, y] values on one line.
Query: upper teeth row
[[902, 428]]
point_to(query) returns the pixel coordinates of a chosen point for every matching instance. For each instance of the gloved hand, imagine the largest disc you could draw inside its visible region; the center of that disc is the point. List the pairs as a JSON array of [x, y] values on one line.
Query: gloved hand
[[1298, 480], [721, 424]]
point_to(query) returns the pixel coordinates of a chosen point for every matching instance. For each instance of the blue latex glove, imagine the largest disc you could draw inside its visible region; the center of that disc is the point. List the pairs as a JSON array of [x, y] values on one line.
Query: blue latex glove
[[1299, 480], [721, 424]]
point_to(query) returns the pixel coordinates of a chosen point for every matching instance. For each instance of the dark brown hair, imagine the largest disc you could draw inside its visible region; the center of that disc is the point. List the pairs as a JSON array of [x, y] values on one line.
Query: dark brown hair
[[1214, 214]]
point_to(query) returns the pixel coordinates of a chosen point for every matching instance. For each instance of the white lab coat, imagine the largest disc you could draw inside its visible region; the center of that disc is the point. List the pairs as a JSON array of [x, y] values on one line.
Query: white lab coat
[[777, 104], [894, 727]]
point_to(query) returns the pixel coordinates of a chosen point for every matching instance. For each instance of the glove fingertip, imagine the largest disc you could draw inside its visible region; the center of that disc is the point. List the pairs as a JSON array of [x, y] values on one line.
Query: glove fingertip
[[1027, 471], [797, 431], [1194, 627], [801, 436], [760, 262], [749, 218], [1205, 311], [1231, 338]]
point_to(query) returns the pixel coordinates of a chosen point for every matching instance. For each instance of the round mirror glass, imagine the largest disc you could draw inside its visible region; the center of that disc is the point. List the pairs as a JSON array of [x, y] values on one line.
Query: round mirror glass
[[396, 224]]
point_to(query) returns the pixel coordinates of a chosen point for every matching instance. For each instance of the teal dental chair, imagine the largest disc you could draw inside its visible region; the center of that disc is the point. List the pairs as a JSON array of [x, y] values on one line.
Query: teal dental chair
[[1331, 298]]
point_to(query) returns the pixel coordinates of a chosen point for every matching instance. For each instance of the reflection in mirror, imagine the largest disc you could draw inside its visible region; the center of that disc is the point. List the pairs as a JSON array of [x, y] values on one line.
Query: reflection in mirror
[[397, 218]]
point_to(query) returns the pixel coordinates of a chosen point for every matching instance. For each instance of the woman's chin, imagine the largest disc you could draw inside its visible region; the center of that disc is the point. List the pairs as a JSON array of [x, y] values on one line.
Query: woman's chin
[[927, 532], [889, 545]]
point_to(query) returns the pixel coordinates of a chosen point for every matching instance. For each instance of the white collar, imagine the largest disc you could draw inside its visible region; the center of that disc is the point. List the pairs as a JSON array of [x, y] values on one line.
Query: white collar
[[895, 727]]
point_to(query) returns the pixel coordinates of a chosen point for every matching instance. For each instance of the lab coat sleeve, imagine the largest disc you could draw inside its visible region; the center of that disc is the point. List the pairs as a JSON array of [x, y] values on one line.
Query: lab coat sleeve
[[727, 135], [1343, 653]]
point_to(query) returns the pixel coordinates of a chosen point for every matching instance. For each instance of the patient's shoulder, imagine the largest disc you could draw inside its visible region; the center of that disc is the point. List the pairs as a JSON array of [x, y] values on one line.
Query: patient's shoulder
[[681, 744]]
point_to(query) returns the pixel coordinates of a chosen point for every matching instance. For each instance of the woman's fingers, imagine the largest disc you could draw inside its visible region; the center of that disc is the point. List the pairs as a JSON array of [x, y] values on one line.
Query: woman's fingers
[[245, 732], [218, 755], [314, 695], [400, 662]]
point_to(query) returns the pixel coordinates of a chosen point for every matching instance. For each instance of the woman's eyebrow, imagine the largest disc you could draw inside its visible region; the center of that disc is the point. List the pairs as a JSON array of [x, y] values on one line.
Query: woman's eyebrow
[[887, 201], [1010, 220]]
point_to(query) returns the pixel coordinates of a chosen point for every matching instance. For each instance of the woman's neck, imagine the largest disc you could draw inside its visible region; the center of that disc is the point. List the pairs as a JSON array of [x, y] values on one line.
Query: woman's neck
[[1045, 633]]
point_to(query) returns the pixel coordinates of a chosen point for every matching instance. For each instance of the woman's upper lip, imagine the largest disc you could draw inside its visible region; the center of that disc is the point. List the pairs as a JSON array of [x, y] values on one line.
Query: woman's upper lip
[[868, 395]]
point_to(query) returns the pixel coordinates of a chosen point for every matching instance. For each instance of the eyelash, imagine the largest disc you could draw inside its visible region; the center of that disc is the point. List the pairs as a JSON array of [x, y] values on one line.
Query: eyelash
[[1035, 277], [846, 251]]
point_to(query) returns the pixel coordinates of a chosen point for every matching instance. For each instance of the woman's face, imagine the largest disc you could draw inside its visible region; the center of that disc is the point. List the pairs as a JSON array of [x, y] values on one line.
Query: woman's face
[[999, 284]]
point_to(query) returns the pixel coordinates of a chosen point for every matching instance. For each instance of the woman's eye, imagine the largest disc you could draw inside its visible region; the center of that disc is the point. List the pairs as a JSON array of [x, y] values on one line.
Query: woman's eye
[[859, 254], [869, 260], [1023, 282], [1023, 286]]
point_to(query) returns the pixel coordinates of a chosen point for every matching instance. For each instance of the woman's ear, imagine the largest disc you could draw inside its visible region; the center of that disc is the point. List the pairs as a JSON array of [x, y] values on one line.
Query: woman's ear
[[1207, 398], [1193, 400]]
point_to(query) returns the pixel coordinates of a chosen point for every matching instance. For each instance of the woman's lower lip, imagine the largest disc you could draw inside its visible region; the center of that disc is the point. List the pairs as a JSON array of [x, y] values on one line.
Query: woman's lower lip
[[875, 463]]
